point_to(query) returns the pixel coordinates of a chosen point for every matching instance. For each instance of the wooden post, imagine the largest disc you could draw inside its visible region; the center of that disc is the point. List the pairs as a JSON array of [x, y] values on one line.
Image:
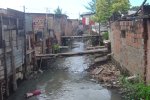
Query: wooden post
[[43, 40], [34, 47], [34, 53], [1, 91], [5, 59], [13, 63], [17, 31], [5, 69], [99, 24], [1, 45], [35, 65], [1, 31], [25, 47]]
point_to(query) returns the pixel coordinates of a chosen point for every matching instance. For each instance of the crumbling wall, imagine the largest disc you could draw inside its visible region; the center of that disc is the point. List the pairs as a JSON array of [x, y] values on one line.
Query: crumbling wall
[[128, 45]]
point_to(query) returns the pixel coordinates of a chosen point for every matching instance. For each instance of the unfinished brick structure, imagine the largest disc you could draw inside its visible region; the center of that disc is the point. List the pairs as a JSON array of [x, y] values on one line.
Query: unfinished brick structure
[[131, 43]]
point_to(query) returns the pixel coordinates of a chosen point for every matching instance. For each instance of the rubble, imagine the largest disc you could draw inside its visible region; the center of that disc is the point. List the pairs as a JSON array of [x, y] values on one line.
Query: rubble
[[107, 74]]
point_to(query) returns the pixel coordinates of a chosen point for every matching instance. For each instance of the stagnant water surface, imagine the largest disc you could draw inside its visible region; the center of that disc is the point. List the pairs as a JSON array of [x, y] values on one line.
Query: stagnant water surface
[[68, 81]]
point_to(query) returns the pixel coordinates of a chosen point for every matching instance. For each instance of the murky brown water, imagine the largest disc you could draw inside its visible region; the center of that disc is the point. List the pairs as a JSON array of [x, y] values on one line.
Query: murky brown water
[[68, 81]]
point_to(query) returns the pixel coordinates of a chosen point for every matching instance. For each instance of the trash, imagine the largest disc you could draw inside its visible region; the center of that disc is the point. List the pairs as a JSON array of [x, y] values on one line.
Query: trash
[[33, 93], [107, 74], [99, 71], [131, 77], [29, 95], [40, 71]]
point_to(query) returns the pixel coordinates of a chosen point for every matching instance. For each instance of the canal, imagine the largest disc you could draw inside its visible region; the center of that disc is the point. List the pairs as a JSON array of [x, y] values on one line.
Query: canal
[[66, 79]]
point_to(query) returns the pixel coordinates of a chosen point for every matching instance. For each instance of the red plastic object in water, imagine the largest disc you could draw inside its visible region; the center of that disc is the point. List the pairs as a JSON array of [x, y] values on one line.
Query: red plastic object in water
[[36, 92]]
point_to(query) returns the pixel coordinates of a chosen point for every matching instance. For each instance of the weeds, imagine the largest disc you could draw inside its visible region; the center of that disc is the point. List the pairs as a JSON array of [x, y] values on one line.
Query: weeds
[[135, 90], [55, 48], [105, 36]]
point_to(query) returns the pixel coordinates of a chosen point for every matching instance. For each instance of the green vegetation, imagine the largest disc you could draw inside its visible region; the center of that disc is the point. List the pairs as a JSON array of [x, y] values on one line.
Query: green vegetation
[[105, 36], [135, 90], [106, 8], [91, 6], [55, 48], [58, 11]]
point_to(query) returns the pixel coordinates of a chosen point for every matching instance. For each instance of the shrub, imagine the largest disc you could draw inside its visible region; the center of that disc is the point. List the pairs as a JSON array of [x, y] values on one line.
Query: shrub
[[55, 48], [135, 90], [105, 36]]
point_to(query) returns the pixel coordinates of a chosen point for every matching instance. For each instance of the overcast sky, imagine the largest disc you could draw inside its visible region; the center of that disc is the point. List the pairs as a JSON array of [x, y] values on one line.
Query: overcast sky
[[70, 7]]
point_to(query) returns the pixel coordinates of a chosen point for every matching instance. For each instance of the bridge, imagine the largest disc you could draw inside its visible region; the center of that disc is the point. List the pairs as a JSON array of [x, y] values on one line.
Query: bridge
[[80, 36], [103, 52]]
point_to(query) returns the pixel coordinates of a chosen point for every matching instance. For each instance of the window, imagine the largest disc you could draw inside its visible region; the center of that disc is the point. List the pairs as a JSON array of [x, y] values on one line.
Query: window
[[123, 34]]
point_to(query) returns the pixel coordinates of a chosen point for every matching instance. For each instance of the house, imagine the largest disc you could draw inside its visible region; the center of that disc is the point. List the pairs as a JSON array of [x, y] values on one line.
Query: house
[[48, 29], [12, 53], [42, 26], [130, 42], [91, 25]]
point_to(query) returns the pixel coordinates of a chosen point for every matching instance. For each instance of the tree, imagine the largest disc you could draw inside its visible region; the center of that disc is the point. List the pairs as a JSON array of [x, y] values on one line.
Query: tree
[[106, 8], [58, 11], [91, 6]]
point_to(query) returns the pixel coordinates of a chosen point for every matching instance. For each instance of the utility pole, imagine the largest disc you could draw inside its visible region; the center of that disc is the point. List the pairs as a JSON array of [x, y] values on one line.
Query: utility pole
[[25, 49]]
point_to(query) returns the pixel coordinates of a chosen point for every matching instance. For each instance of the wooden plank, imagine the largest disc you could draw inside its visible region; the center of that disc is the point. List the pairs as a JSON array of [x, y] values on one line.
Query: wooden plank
[[99, 71], [79, 36], [30, 51], [96, 47], [63, 47], [101, 51], [13, 64], [1, 31]]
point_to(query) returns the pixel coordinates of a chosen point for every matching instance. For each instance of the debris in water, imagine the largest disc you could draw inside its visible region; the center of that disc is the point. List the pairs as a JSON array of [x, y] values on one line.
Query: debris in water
[[40, 71], [33, 93]]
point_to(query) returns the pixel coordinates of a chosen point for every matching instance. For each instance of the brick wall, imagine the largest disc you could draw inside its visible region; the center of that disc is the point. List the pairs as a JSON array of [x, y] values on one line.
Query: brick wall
[[128, 45], [148, 52]]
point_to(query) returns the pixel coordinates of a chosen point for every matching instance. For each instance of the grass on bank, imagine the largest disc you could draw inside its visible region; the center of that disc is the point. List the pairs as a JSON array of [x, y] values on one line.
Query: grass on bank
[[135, 90]]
